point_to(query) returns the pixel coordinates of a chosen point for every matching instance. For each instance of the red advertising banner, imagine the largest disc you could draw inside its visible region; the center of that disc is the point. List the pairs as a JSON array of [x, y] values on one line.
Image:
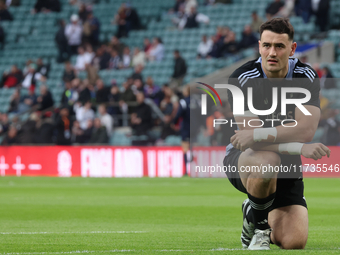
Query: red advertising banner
[[106, 161], [66, 161]]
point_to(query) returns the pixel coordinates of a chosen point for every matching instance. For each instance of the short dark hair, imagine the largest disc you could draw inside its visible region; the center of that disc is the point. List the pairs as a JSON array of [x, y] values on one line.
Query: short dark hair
[[279, 26], [176, 51]]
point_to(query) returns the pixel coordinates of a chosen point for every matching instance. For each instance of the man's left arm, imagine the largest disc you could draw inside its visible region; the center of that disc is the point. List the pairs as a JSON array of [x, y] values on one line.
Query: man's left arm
[[303, 129]]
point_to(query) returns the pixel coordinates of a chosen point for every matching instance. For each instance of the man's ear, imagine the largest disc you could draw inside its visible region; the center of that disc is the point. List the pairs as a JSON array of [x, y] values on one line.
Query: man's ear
[[260, 47], [293, 48]]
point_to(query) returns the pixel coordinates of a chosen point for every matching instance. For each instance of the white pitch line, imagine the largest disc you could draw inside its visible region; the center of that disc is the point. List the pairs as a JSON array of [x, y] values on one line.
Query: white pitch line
[[89, 232]]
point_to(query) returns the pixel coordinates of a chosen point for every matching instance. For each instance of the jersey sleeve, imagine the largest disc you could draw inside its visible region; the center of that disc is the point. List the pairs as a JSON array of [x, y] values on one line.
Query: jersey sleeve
[[234, 80], [314, 88]]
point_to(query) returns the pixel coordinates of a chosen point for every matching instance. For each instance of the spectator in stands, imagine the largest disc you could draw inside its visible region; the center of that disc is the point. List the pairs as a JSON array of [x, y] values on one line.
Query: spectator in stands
[[4, 13], [138, 57], [219, 32], [101, 59], [127, 96], [120, 21], [141, 121], [273, 8], [77, 133], [151, 90], [193, 19], [94, 26], [4, 123], [27, 67], [229, 46], [321, 10], [157, 50], [47, 6], [83, 12], [63, 128], [138, 86], [44, 130], [28, 130], [177, 6], [204, 47], [327, 80], [85, 94], [180, 70], [137, 74], [184, 113], [14, 103], [188, 5], [256, 22], [114, 97], [83, 58], [115, 61], [303, 8], [116, 45], [105, 119], [131, 18], [248, 38], [102, 93], [215, 51], [99, 133], [126, 58], [331, 135], [71, 95], [287, 9], [13, 78], [69, 72], [225, 31], [11, 137], [170, 101], [2, 37], [61, 41], [73, 33], [84, 113], [42, 68], [45, 99], [147, 45], [32, 77], [28, 101]]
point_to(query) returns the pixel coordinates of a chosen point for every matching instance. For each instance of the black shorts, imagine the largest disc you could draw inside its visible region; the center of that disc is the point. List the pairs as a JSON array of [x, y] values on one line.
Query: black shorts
[[288, 191]]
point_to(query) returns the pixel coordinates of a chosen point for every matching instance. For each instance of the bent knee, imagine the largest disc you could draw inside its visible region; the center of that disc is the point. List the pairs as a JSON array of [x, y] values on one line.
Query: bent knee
[[292, 244], [265, 158]]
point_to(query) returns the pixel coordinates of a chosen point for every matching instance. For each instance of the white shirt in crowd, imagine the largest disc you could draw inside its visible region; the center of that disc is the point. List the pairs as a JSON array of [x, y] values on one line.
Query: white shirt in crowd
[[83, 115], [107, 121], [28, 79], [139, 59], [200, 18], [205, 47], [126, 60], [73, 33], [158, 52], [83, 59]]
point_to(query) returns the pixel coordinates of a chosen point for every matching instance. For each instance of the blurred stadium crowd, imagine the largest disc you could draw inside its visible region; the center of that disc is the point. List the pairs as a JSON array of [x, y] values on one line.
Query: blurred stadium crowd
[[113, 71]]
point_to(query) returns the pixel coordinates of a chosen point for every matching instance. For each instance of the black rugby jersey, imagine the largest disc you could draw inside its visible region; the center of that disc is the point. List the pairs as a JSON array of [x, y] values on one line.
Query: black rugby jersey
[[251, 75]]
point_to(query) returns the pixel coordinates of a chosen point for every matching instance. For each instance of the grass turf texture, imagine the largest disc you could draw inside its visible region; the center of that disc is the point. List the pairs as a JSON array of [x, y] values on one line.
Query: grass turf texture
[[181, 216]]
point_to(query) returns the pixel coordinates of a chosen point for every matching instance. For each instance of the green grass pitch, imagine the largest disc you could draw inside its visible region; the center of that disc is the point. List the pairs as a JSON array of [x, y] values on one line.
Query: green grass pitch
[[145, 216]]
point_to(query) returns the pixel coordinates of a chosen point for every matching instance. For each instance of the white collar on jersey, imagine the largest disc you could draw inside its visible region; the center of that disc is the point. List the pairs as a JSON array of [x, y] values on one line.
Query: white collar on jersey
[[292, 62]]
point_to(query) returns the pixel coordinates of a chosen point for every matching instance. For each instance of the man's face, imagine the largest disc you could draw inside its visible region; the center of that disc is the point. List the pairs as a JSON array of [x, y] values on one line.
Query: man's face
[[275, 50]]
